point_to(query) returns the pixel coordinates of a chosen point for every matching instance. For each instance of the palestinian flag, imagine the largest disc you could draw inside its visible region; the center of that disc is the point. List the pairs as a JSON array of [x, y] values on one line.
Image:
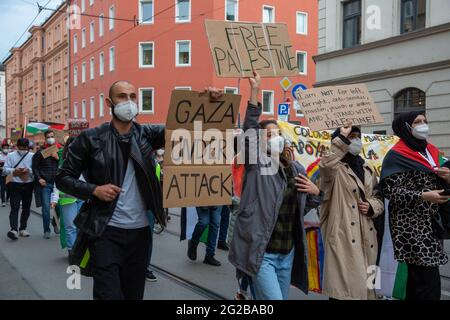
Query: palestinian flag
[[38, 127]]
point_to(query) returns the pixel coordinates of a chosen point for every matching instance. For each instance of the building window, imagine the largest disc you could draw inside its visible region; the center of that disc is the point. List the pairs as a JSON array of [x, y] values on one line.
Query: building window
[[183, 53], [409, 99], [111, 17], [91, 32], [75, 76], [91, 2], [268, 102], [102, 64], [183, 88], [101, 105], [100, 25], [83, 73], [112, 61], [146, 100], [302, 62], [92, 108], [146, 54], [231, 10], [231, 90], [146, 11], [83, 109], [75, 44], [92, 69], [83, 38], [413, 15], [183, 11], [75, 110], [268, 14], [302, 23], [83, 6], [352, 23]]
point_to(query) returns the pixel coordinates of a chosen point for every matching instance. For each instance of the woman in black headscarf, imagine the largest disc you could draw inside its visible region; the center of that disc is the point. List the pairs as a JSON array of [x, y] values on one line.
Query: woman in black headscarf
[[351, 202], [409, 182]]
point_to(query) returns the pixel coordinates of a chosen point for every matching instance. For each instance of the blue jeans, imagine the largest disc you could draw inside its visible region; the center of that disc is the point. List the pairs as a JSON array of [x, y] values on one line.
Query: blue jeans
[[224, 221], [151, 221], [274, 277], [207, 216], [46, 193], [69, 212]]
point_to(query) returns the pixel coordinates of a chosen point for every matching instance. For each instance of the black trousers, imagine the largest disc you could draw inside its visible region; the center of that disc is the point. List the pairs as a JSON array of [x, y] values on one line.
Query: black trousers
[[119, 261], [20, 193], [424, 283], [4, 189]]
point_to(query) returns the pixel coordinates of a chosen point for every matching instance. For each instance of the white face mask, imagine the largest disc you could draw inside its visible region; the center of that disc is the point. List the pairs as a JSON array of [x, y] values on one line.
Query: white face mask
[[126, 111], [276, 145], [355, 147], [51, 141], [421, 131], [5, 151]]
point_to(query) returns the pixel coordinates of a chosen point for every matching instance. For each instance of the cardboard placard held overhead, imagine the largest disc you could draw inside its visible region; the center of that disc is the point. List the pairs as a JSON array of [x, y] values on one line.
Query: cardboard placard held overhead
[[186, 107], [76, 126], [333, 107], [238, 48], [194, 186], [49, 151]]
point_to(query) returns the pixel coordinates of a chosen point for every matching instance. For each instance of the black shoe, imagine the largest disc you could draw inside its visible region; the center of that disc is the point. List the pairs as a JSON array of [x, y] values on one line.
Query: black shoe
[[149, 276], [13, 235], [211, 261], [192, 251], [222, 245]]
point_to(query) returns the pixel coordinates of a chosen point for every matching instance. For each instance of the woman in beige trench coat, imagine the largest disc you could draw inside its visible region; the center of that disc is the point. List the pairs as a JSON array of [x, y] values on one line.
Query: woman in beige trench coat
[[351, 201]]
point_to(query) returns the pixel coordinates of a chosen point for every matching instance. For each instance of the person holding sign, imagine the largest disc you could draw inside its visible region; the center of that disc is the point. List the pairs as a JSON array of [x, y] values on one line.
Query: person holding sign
[[18, 164], [351, 202], [45, 167], [410, 180], [116, 160], [269, 241]]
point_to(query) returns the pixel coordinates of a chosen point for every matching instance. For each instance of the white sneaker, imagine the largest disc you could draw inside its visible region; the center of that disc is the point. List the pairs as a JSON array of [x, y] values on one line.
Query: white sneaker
[[24, 233], [13, 235], [3, 204]]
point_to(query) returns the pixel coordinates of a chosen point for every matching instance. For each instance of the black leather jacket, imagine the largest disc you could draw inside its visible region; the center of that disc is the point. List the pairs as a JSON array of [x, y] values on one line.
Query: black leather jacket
[[96, 154]]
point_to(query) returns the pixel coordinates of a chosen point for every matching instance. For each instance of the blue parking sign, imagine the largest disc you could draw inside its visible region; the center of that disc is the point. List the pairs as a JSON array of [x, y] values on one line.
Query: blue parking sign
[[283, 109]]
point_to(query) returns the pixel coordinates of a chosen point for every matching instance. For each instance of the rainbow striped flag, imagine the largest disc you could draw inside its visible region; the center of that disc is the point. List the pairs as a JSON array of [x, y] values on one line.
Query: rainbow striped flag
[[315, 259], [312, 171]]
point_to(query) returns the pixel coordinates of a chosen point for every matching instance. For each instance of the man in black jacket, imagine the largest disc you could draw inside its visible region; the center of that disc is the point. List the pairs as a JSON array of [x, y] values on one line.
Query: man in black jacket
[[117, 162]]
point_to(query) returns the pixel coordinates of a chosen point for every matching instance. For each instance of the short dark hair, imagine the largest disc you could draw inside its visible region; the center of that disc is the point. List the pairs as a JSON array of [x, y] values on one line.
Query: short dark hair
[[263, 124], [111, 88], [23, 142], [46, 133]]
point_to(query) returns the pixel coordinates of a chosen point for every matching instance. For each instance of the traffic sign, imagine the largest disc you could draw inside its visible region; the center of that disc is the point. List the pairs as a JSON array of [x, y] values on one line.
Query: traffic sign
[[296, 88], [285, 83], [283, 109]]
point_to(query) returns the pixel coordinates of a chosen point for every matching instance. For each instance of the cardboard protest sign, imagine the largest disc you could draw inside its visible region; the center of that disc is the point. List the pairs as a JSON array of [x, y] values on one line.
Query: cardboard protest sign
[[187, 186], [238, 48], [38, 138], [49, 151], [197, 168], [59, 136], [76, 126], [332, 107], [186, 107], [16, 135]]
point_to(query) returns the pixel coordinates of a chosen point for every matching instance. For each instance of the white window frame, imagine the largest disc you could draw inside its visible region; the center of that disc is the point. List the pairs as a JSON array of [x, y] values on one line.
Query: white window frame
[[177, 53], [83, 6], [177, 20], [306, 62], [75, 110], [235, 89], [83, 72], [91, 2], [272, 102], [101, 63], [112, 14], [183, 88], [101, 25], [92, 108], [92, 68], [306, 22], [92, 32], [141, 18], [83, 38], [141, 56], [75, 44], [83, 109], [236, 12], [141, 100], [101, 105], [75, 76], [112, 66], [273, 11]]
